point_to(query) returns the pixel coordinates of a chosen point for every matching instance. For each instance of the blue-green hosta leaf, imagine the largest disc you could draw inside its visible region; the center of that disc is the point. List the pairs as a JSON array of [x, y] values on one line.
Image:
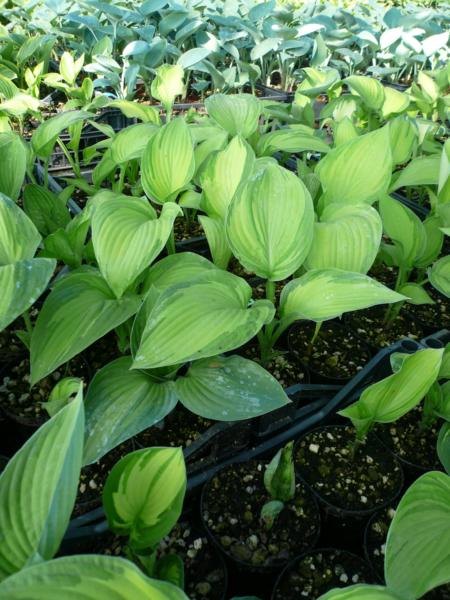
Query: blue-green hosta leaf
[[217, 240], [238, 114], [439, 275], [395, 102], [369, 89], [168, 84], [392, 397], [290, 140], [176, 268], [135, 110], [324, 294], [13, 164], [347, 238], [44, 138], [229, 389], [201, 318], [91, 577], [168, 162], [417, 555], [222, 174], [443, 446], [38, 489], [143, 495], [19, 238], [79, 310], [404, 228], [269, 223], [120, 403], [22, 283], [422, 170], [359, 171], [47, 211], [127, 238], [130, 143], [404, 136], [360, 591]]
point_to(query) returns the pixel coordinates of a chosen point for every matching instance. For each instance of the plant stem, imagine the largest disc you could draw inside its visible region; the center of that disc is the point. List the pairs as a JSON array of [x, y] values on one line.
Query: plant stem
[[170, 245], [313, 339], [27, 321], [270, 291], [75, 167], [121, 181]]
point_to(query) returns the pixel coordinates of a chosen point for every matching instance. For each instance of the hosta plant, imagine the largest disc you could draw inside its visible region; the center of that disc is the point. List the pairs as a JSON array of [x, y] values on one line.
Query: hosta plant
[[279, 481]]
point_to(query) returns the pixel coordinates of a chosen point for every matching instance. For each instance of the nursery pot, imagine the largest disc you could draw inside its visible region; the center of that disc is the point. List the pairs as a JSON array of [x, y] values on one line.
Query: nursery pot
[[351, 481], [231, 504], [312, 574]]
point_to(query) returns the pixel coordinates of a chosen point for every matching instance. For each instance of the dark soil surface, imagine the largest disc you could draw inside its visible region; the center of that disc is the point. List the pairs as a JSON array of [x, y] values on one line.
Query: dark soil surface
[[435, 316], [231, 507], [185, 231], [384, 274], [349, 477], [411, 442], [337, 352], [286, 368], [369, 325], [315, 574]]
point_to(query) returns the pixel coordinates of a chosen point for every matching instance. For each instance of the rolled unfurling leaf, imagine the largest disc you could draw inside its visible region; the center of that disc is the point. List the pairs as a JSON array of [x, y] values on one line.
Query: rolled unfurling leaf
[[63, 392], [279, 478], [168, 84]]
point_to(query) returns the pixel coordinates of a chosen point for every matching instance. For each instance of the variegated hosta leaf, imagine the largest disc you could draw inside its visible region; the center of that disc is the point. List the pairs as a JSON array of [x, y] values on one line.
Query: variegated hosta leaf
[[204, 317], [324, 294], [344, 130], [217, 240], [347, 238], [439, 275], [13, 164], [121, 403], [130, 143], [395, 102], [127, 238], [422, 170], [269, 224], [168, 162], [19, 238], [136, 110], [21, 284], [222, 174], [44, 138], [237, 113], [404, 228], [290, 140], [168, 84], [404, 136], [418, 543], [91, 577], [358, 171], [79, 310], [392, 397], [38, 489], [369, 89], [360, 591], [143, 495], [229, 389]]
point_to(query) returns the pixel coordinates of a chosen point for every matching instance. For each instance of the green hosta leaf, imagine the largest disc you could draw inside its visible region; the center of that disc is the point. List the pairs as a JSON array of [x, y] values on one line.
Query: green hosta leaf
[[91, 577], [120, 404], [443, 446], [423, 170], [176, 269], [144, 493], [403, 136], [135, 110], [290, 140], [360, 592], [37, 491], [44, 138], [62, 394], [344, 131], [433, 242], [13, 164], [222, 174], [439, 275], [79, 310], [168, 84], [206, 149], [369, 89], [130, 143], [45, 209], [416, 294], [229, 389], [168, 162], [347, 238], [317, 81], [392, 397], [418, 542], [127, 238], [395, 102], [324, 294], [68, 244], [269, 223], [238, 114], [19, 237], [359, 171], [204, 317], [404, 228], [22, 283], [217, 240]]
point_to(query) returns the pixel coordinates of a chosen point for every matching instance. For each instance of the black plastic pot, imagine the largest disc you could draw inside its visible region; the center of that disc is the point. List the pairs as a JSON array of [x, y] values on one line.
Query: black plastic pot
[[348, 569]]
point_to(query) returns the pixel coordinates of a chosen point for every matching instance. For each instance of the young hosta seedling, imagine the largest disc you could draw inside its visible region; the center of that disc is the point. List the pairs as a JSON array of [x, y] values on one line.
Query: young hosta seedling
[[279, 481], [167, 85]]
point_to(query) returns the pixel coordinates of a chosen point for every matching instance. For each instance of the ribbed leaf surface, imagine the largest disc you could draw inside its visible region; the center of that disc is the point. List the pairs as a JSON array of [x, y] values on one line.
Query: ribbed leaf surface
[[12, 164], [237, 113]]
